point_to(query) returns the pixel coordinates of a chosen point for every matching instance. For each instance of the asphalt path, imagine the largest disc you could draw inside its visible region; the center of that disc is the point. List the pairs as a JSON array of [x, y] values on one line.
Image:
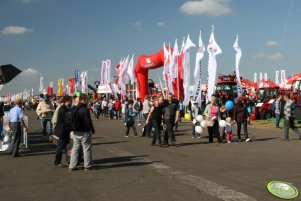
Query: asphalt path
[[131, 169]]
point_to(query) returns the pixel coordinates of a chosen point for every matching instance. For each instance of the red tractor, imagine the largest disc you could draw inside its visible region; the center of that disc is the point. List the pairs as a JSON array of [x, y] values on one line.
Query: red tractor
[[266, 95], [226, 86]]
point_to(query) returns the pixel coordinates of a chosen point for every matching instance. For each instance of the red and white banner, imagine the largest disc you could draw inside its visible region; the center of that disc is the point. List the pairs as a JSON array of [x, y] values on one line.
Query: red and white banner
[[131, 70], [277, 78]]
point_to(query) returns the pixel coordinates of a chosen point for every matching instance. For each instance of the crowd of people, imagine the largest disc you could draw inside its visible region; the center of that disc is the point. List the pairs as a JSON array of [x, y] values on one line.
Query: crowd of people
[[71, 118]]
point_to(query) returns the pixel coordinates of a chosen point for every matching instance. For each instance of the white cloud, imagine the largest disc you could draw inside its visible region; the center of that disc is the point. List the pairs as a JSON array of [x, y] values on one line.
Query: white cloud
[[15, 30], [213, 8], [275, 56], [271, 43], [259, 55], [30, 73], [160, 24], [137, 23]]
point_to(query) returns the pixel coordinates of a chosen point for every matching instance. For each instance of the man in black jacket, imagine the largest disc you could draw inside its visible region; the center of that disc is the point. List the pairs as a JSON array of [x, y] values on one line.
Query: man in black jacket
[[62, 129], [82, 127]]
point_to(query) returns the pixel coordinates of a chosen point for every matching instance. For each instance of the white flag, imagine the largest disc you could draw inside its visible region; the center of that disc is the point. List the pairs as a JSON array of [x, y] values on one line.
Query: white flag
[[175, 55], [260, 80], [186, 67], [255, 77], [41, 88], [283, 78], [213, 50], [131, 70], [237, 60], [197, 71]]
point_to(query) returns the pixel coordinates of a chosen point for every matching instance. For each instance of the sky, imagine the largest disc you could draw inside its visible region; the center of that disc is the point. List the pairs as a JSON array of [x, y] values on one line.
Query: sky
[[52, 38]]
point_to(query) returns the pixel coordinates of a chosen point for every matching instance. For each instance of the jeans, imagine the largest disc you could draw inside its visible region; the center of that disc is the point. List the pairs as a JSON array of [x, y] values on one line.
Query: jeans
[[156, 135], [46, 122], [84, 139], [170, 123], [278, 117], [61, 146], [290, 124], [245, 125], [138, 117], [128, 130], [16, 129]]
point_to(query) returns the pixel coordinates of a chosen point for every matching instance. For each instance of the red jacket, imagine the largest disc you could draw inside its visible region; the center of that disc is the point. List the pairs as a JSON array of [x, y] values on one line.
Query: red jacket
[[117, 105]]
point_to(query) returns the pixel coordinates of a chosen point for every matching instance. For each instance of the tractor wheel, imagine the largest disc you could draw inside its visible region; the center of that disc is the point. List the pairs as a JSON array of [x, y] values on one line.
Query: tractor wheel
[[266, 115]]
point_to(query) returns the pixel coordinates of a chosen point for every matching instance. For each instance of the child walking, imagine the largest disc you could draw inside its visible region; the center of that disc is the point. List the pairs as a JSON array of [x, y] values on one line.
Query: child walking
[[130, 121], [228, 130]]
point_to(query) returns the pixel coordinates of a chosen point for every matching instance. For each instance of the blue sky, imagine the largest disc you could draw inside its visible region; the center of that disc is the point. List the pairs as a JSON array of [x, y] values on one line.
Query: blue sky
[[52, 38]]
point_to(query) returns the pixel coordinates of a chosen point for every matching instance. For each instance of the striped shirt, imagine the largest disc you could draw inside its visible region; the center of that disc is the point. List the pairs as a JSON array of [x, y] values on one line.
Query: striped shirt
[[289, 108]]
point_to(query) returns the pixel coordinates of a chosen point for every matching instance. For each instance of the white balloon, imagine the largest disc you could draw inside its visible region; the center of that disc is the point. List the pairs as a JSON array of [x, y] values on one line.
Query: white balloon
[[222, 123], [198, 129], [203, 124], [199, 118], [194, 121]]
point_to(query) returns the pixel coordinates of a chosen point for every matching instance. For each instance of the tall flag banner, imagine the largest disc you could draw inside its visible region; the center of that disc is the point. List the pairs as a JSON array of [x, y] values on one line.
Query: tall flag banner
[[197, 90], [277, 78], [166, 69], [186, 68], [260, 80], [50, 89], [60, 88], [131, 70], [213, 50], [175, 55], [181, 61], [103, 72], [237, 61], [108, 71], [76, 79], [84, 82], [72, 85], [41, 87], [255, 77], [265, 76], [265, 79], [113, 90], [283, 79]]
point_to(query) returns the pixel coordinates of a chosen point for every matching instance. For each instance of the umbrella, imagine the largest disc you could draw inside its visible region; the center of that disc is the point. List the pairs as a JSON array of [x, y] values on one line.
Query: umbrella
[[7, 73]]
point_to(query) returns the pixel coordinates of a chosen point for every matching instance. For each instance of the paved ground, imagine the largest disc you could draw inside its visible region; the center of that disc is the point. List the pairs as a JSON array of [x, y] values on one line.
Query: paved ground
[[130, 169]]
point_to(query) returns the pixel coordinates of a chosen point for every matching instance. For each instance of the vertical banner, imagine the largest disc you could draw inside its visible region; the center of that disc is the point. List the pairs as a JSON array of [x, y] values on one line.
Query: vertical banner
[[277, 78], [76, 80], [283, 78], [186, 67], [41, 87], [237, 61], [260, 80], [255, 77], [102, 73], [265, 78], [197, 90], [84, 82], [72, 85], [108, 71], [213, 50], [131, 70]]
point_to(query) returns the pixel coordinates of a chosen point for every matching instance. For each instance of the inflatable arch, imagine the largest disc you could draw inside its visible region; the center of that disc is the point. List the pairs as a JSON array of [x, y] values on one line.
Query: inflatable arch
[[154, 61]]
